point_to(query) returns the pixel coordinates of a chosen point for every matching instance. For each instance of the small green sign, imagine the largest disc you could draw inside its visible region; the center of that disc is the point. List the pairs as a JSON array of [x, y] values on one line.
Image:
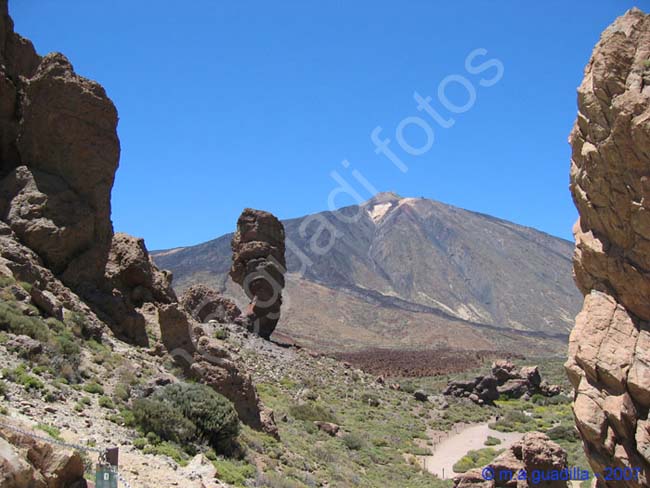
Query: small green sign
[[105, 477]]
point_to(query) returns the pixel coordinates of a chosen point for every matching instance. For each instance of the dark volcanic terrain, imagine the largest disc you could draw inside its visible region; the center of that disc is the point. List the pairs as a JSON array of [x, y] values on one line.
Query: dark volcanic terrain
[[409, 273]]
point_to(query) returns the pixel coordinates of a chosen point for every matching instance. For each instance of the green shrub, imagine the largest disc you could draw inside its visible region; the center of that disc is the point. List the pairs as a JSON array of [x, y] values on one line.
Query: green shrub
[[234, 472], [13, 320], [51, 430], [476, 459], [221, 334], [106, 402], [3, 389], [352, 442], [78, 324], [312, 411], [22, 377], [6, 281], [213, 414], [168, 449], [163, 420], [122, 393], [93, 388], [492, 441], [562, 432], [370, 399], [140, 443]]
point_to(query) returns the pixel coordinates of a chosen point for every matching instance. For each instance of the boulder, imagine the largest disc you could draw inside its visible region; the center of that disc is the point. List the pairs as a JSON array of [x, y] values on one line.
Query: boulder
[[205, 304], [421, 396], [328, 427], [535, 452], [25, 346], [258, 266], [609, 350], [26, 462]]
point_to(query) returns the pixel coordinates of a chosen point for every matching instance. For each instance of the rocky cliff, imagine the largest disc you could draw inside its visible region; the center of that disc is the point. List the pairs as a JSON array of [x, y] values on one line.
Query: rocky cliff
[[609, 356], [59, 152]]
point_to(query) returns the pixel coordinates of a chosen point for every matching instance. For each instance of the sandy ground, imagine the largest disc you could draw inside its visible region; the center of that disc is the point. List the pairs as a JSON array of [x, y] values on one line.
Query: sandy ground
[[448, 450]]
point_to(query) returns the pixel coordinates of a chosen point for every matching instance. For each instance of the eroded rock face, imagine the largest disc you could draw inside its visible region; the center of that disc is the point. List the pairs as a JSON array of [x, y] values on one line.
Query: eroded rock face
[[205, 304], [258, 267], [58, 155], [209, 362], [609, 352]]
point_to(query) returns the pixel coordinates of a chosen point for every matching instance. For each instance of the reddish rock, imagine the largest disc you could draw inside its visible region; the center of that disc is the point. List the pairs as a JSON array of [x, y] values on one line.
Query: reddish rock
[[204, 304], [259, 266]]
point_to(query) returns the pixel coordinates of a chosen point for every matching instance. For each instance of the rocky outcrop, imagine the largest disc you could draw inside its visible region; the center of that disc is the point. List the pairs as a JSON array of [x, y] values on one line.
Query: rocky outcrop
[[58, 155], [535, 455], [205, 304], [27, 462], [131, 280], [59, 151], [505, 380], [609, 351], [209, 362], [258, 266]]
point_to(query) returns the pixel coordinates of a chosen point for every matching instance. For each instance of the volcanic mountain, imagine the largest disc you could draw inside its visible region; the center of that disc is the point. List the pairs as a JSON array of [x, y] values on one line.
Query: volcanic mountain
[[409, 273]]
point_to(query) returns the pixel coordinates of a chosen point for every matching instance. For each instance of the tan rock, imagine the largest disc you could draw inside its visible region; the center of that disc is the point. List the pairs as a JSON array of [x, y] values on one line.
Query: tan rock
[[609, 351]]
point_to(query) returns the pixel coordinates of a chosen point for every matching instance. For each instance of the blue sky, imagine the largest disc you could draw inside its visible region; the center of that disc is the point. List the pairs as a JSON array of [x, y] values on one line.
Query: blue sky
[[225, 105]]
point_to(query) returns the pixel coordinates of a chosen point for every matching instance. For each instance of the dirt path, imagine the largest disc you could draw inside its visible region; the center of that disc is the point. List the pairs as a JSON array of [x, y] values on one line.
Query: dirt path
[[448, 450]]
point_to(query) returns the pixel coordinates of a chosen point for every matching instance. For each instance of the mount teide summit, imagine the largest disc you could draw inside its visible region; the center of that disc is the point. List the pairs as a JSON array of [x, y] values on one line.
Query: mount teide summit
[[409, 272]]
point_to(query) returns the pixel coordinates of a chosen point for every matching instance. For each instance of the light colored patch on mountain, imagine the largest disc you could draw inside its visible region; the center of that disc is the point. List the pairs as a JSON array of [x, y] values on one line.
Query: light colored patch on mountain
[[378, 211]]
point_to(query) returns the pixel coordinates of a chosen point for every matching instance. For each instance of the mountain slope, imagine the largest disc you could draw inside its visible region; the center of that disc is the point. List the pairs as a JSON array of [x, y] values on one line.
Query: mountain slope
[[406, 271]]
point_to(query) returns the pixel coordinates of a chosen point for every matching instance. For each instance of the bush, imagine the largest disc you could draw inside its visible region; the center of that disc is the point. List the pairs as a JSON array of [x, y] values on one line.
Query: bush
[[94, 388], [562, 432], [21, 376], [221, 334], [370, 399], [492, 441], [313, 412], [352, 442], [234, 472], [163, 420], [13, 320], [476, 459], [106, 402], [213, 414], [51, 430]]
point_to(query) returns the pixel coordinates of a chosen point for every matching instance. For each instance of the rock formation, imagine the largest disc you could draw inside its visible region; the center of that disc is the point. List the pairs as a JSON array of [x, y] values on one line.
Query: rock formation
[[258, 267], [59, 151], [535, 455], [209, 362], [204, 304], [26, 462], [609, 351], [505, 380]]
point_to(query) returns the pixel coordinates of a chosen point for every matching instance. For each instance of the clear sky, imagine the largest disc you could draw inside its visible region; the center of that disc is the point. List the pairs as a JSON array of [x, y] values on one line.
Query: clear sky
[[225, 105]]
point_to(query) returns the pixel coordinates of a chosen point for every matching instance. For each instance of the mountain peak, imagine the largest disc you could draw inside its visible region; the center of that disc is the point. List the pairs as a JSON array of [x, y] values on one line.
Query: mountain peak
[[383, 197]]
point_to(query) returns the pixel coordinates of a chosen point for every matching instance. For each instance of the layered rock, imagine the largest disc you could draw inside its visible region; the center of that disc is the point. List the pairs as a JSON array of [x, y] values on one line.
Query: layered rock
[[258, 266], [209, 362], [535, 455], [609, 351], [205, 304], [504, 380]]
